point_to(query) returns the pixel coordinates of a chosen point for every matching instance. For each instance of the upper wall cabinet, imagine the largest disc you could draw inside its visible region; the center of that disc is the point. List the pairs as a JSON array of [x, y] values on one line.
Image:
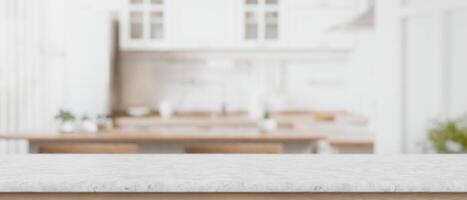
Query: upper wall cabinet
[[201, 24], [236, 24], [261, 20], [143, 24], [178, 24]]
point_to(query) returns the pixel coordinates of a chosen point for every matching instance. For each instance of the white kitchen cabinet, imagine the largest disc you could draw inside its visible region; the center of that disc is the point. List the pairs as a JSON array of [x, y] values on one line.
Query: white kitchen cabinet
[[178, 24], [298, 24], [260, 21], [236, 24], [201, 24], [143, 24]]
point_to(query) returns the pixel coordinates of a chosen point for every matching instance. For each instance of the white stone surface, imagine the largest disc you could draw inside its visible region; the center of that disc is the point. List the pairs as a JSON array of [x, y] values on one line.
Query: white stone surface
[[233, 173]]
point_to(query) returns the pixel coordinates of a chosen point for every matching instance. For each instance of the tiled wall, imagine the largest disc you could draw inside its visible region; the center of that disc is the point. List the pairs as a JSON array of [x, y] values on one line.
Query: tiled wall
[[203, 80]]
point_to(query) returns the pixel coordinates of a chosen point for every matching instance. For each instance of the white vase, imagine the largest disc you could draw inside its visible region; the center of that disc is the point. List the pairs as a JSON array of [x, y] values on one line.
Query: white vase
[[67, 127], [89, 126], [165, 110], [268, 125]]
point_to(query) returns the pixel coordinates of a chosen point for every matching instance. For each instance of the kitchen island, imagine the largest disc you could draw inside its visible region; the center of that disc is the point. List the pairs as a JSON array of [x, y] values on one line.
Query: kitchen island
[[174, 141], [183, 177]]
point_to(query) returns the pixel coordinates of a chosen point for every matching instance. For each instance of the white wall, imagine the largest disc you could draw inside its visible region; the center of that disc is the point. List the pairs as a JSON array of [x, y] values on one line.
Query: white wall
[[331, 80], [54, 54], [26, 98], [420, 70], [57, 56]]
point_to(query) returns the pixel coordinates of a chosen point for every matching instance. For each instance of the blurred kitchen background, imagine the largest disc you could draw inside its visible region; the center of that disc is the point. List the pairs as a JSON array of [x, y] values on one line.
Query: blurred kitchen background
[[232, 76]]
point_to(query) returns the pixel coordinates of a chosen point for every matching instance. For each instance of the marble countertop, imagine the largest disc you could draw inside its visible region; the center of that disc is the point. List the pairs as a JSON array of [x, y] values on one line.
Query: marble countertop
[[233, 173]]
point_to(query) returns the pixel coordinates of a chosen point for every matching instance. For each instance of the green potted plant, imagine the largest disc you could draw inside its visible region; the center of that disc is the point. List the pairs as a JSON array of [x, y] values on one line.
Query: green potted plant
[[67, 121], [449, 136]]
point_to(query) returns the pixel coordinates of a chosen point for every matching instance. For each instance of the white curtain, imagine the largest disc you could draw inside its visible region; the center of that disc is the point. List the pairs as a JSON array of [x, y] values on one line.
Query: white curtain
[[26, 63]]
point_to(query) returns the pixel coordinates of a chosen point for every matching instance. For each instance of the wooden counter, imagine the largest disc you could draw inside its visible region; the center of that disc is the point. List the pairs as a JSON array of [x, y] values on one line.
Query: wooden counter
[[284, 119], [185, 121], [352, 143], [184, 136], [173, 142]]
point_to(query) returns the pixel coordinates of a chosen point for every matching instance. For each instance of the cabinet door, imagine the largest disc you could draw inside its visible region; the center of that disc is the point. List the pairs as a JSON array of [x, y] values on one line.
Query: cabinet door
[[309, 23], [258, 23], [143, 24], [206, 24], [201, 23]]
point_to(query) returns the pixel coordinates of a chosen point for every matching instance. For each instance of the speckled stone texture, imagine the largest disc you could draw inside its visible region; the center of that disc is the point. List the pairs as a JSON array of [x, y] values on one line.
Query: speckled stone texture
[[233, 173]]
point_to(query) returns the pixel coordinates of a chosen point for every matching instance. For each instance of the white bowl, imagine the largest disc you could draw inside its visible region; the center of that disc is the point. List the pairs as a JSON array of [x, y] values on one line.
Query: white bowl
[[138, 111]]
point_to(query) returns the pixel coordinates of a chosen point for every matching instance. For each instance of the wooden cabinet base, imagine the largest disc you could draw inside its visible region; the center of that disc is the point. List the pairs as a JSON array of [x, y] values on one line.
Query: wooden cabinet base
[[234, 196]]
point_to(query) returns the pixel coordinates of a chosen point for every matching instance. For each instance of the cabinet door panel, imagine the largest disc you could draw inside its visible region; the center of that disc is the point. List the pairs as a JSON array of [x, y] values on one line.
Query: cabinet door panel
[[201, 23]]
